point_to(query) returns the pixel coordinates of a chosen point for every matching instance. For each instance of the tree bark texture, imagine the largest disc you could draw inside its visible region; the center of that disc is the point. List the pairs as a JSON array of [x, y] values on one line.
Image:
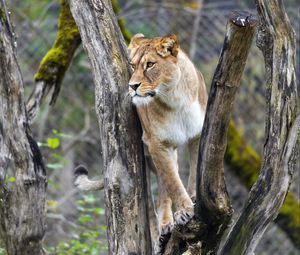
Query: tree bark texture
[[276, 39], [55, 63], [22, 199], [120, 132], [212, 203]]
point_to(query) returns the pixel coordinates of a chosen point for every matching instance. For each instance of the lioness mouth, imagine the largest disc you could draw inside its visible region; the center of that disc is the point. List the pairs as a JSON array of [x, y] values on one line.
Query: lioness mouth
[[151, 94]]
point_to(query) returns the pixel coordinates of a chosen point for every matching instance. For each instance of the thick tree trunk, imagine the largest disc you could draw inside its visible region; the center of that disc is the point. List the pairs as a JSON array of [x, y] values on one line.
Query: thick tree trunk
[[120, 132], [277, 41], [22, 198]]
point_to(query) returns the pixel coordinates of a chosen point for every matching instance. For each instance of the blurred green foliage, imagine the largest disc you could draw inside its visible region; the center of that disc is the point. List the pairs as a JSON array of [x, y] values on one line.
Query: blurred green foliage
[[2, 250], [92, 237]]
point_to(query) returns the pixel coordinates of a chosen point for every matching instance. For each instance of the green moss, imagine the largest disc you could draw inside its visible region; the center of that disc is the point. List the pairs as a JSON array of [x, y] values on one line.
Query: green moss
[[2, 15], [291, 208], [241, 157], [126, 33], [289, 219], [55, 58], [55, 63]]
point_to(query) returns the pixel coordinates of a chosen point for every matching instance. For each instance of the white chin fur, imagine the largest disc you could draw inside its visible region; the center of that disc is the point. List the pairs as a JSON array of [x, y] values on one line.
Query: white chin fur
[[139, 101]]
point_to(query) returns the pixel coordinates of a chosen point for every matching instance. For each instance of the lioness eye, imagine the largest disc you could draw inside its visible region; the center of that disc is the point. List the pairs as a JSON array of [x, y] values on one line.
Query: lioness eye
[[150, 64], [132, 66]]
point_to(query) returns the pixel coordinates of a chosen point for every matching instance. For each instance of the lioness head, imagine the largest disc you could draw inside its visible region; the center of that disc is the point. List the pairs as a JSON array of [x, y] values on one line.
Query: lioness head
[[154, 64]]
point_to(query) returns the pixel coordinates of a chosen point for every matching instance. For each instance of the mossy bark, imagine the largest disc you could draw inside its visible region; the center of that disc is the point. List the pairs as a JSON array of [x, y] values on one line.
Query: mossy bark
[[245, 162], [57, 60], [121, 21], [55, 63], [2, 14]]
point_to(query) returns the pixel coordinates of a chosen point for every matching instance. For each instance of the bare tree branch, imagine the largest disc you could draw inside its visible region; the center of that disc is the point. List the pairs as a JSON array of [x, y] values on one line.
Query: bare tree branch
[[276, 39]]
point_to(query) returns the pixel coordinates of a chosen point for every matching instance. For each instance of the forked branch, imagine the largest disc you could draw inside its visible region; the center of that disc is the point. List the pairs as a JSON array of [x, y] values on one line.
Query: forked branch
[[276, 39]]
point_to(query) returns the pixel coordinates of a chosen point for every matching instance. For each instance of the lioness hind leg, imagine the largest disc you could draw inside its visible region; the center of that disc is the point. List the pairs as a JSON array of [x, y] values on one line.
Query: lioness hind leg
[[193, 147], [165, 160]]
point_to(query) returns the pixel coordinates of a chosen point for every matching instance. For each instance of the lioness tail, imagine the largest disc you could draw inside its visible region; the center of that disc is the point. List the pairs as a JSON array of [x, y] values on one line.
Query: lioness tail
[[82, 181]]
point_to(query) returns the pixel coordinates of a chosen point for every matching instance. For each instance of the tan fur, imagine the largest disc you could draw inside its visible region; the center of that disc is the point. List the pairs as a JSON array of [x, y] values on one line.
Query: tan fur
[[171, 100]]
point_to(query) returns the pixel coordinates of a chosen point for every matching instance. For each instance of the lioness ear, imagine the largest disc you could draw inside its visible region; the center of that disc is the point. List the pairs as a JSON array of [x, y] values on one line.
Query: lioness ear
[[168, 45], [135, 40]]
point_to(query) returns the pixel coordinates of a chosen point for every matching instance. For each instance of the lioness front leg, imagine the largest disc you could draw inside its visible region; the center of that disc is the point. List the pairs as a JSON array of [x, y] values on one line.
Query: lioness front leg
[[165, 160], [164, 208], [164, 217]]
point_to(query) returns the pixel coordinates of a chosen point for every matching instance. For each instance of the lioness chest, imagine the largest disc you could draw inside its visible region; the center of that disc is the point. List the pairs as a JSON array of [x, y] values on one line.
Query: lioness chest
[[180, 125]]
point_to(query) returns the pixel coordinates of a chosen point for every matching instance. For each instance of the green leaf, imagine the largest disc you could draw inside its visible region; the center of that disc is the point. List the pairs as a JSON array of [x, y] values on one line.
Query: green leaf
[[53, 143], [85, 218], [59, 158], [11, 179], [103, 227], [54, 131], [55, 166], [89, 198], [99, 211]]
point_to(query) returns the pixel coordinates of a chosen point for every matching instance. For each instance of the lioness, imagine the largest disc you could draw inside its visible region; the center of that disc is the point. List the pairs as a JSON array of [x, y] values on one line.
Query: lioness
[[170, 96]]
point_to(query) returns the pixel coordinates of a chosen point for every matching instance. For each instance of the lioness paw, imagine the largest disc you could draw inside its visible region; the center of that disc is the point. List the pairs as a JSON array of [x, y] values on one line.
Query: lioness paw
[[183, 217], [163, 239]]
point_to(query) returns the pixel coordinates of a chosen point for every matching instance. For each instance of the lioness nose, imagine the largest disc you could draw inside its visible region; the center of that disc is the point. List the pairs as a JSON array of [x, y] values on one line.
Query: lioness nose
[[134, 86]]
